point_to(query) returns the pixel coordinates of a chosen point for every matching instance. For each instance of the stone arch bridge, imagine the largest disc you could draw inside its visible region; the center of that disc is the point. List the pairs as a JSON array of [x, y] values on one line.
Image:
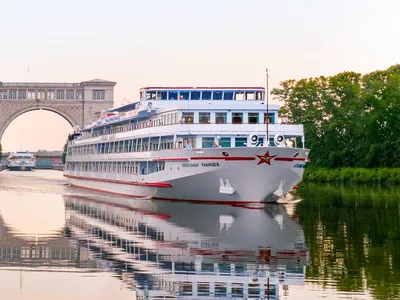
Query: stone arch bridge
[[78, 103]]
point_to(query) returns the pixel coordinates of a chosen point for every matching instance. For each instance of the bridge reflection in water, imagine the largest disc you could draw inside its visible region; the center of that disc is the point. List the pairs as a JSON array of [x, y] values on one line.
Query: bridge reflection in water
[[167, 250]]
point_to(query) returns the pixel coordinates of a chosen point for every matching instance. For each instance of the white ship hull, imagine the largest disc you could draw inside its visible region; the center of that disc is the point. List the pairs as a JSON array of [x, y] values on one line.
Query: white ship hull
[[243, 174]]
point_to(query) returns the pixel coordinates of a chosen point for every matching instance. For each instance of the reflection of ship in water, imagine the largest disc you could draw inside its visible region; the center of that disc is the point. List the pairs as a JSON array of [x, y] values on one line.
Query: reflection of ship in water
[[193, 251]]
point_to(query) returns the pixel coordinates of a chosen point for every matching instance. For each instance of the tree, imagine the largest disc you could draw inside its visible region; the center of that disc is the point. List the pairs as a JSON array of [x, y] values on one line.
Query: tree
[[350, 120]]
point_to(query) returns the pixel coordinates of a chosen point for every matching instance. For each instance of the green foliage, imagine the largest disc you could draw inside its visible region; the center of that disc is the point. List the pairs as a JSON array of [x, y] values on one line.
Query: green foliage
[[353, 175], [350, 120]]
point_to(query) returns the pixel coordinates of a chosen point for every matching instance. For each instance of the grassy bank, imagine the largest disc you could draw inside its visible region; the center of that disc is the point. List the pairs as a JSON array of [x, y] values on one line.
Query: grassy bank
[[353, 175]]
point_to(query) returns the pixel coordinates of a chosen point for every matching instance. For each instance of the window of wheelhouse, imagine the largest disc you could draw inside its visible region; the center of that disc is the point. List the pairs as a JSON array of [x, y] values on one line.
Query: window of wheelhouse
[[221, 118], [150, 95], [204, 117], [172, 95], [250, 95], [237, 118], [253, 118], [195, 95], [228, 95], [162, 95], [183, 95], [189, 116], [206, 95], [259, 95], [217, 95], [239, 95]]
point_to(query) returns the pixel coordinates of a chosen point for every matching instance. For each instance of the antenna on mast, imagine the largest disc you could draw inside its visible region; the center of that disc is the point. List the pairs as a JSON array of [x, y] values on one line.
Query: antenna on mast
[[267, 113]]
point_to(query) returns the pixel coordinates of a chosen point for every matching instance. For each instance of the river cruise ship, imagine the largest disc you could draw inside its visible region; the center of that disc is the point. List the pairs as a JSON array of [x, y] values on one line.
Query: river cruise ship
[[22, 161], [193, 144]]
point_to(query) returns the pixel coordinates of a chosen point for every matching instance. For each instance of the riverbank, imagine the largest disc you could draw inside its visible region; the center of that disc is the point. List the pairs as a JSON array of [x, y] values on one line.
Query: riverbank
[[353, 175]]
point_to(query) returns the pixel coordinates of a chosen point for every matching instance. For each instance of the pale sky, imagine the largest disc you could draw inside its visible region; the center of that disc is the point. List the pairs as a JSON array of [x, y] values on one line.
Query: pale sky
[[186, 43]]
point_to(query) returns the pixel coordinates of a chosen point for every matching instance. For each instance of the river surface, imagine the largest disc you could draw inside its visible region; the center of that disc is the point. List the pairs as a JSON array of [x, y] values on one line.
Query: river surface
[[61, 242]]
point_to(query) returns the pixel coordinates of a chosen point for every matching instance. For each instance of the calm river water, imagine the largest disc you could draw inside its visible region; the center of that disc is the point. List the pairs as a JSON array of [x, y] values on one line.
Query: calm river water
[[60, 242]]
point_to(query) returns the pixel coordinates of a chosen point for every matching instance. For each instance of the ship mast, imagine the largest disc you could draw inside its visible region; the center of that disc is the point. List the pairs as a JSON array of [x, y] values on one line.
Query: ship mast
[[267, 116]]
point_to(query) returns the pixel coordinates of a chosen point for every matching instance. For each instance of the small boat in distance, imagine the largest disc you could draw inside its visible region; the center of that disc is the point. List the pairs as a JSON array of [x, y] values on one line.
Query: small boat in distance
[[23, 161], [218, 145]]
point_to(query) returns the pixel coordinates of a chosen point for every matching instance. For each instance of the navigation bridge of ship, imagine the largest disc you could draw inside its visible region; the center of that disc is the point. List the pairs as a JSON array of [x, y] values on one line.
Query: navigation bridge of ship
[[78, 103]]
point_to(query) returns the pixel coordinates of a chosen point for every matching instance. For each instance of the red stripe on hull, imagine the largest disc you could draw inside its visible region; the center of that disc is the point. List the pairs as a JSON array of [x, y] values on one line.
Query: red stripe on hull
[[149, 184], [223, 158], [289, 159], [204, 158]]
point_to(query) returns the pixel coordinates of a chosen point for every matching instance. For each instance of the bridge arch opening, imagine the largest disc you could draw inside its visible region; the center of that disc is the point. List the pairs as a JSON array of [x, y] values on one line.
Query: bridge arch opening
[[36, 129]]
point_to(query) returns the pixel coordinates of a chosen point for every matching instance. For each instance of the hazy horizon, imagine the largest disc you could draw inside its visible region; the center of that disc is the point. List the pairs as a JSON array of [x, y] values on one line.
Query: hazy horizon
[[185, 43]]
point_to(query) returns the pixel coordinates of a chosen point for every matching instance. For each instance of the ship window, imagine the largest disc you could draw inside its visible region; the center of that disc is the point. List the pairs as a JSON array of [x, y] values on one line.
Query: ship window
[[237, 291], [184, 95], [186, 288], [237, 118], [249, 95], [240, 142], [206, 95], [173, 96], [203, 289], [217, 95], [220, 289], [221, 118], [253, 118], [208, 142], [188, 117], [239, 96], [151, 95], [253, 290], [271, 117], [161, 95], [228, 95], [195, 95], [225, 142], [204, 117]]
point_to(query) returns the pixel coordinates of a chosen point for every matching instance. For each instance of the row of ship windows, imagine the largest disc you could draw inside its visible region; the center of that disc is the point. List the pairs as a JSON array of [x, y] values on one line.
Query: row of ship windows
[[220, 290], [49, 94], [136, 145], [190, 118], [154, 144], [126, 167], [138, 228], [203, 95], [37, 252]]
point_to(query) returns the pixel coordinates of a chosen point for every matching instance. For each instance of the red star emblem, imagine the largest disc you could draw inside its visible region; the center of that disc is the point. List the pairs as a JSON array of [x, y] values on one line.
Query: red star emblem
[[266, 158]]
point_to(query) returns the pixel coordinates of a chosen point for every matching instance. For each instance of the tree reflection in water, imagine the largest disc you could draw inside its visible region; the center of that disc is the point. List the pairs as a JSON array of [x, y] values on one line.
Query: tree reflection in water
[[353, 235]]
